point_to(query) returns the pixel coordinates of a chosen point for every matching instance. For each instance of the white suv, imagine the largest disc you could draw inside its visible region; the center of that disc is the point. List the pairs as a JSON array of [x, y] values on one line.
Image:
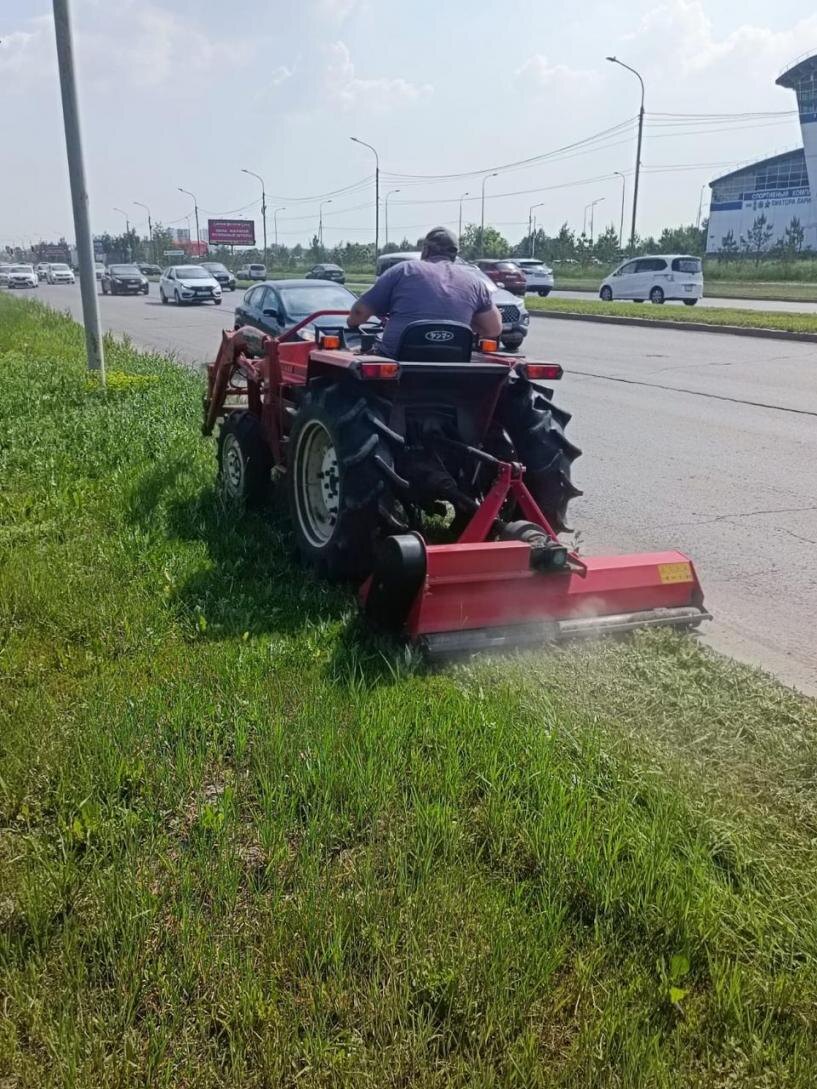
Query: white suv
[[539, 276], [660, 279]]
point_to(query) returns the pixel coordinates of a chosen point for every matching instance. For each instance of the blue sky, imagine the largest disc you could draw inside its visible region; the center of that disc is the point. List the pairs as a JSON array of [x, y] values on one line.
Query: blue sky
[[187, 93]]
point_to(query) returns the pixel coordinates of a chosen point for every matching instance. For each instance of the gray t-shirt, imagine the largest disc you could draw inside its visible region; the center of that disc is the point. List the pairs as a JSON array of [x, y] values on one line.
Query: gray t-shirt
[[432, 290]]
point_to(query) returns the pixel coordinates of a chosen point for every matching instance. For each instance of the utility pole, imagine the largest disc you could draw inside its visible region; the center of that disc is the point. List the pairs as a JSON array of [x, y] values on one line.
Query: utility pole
[[459, 231], [196, 210], [390, 193], [320, 220], [79, 189], [623, 194], [275, 223], [615, 60], [263, 207], [355, 140], [701, 206], [482, 216], [129, 253], [531, 221], [139, 204]]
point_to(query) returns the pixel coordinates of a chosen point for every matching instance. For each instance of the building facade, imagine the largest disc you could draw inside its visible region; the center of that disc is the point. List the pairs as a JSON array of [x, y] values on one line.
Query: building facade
[[782, 188]]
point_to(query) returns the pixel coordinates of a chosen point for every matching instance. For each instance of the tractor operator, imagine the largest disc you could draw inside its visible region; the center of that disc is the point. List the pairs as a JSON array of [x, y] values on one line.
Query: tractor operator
[[433, 288]]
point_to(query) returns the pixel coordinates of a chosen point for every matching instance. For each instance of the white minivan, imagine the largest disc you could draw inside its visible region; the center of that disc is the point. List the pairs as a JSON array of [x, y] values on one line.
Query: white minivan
[[661, 278]]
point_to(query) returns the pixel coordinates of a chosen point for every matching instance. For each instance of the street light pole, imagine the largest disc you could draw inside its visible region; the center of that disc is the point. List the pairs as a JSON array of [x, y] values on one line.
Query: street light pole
[[275, 223], [482, 216], [623, 194], [263, 207], [320, 220], [79, 190], [363, 143], [701, 206], [390, 193], [129, 255], [592, 216], [459, 231], [615, 60], [530, 226], [196, 210], [139, 204]]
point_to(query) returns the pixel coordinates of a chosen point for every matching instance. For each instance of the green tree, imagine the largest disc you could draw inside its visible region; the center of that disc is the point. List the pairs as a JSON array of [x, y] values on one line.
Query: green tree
[[757, 238], [606, 246], [794, 237], [729, 247], [492, 244], [685, 239]]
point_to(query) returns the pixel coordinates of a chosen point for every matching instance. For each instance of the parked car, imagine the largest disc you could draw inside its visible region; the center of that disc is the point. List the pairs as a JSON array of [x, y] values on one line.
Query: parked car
[[149, 270], [124, 280], [538, 275], [252, 272], [5, 269], [388, 260], [278, 304], [23, 276], [327, 272], [660, 278], [221, 273], [188, 284], [60, 274], [505, 274], [42, 271]]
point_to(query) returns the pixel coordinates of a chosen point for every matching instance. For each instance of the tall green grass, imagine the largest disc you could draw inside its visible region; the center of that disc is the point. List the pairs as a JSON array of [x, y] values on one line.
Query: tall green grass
[[242, 843]]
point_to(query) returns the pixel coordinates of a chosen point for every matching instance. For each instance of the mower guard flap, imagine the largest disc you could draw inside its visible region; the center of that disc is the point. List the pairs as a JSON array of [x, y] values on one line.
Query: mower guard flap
[[468, 597]]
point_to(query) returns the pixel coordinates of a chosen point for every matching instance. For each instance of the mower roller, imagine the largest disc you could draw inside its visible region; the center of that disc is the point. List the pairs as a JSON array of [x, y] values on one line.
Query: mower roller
[[439, 480]]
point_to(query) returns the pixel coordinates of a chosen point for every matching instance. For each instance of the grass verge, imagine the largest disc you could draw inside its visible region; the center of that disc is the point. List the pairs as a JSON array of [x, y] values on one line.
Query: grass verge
[[724, 316], [241, 843], [779, 291]]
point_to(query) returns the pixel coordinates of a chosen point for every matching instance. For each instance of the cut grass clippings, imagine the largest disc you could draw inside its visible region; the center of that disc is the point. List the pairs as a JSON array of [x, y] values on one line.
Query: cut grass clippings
[[682, 315], [243, 843]]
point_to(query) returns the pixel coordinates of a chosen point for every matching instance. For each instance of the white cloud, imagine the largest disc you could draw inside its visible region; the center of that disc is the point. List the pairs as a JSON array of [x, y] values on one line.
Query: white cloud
[[281, 74], [344, 87], [539, 74], [336, 10]]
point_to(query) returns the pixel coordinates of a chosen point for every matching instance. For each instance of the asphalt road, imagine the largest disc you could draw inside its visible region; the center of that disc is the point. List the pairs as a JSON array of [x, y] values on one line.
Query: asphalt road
[[706, 443]]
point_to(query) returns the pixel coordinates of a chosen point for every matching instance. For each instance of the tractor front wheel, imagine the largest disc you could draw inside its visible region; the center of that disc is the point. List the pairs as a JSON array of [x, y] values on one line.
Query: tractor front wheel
[[244, 459], [338, 470]]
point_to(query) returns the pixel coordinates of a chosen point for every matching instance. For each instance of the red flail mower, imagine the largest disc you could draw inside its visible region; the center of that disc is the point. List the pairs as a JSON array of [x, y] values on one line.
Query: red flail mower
[[439, 479]]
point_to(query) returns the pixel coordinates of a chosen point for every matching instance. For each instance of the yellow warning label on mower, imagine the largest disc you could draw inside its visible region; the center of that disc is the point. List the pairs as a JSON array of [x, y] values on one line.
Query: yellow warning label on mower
[[675, 572]]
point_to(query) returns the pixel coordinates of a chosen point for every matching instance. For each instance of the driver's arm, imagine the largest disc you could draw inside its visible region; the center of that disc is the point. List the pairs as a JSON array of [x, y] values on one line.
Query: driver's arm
[[359, 313], [375, 301], [487, 323]]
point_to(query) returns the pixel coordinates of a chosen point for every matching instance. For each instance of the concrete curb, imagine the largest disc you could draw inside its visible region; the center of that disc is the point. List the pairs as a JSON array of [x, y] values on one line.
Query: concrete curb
[[691, 326]]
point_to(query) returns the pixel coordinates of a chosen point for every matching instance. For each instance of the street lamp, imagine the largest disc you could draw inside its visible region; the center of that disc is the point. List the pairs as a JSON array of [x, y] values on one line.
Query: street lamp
[[530, 226], [390, 193], [459, 232], [591, 207], [615, 60], [263, 206], [139, 204], [701, 205], [363, 143], [196, 210], [127, 232], [618, 174], [482, 217], [275, 222], [320, 220]]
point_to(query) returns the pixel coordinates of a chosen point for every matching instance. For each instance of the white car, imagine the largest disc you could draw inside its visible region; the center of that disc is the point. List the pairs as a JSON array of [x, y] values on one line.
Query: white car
[[252, 272], [60, 274], [23, 276], [664, 277], [4, 274], [537, 273], [42, 271], [189, 284], [99, 268]]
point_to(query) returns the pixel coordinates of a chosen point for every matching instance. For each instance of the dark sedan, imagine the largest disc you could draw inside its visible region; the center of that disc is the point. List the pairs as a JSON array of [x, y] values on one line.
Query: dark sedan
[[334, 273], [124, 280], [275, 305], [220, 273]]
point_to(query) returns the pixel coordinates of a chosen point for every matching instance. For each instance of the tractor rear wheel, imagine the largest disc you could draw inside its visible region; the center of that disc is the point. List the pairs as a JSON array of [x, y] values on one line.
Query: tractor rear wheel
[[338, 470], [244, 459], [537, 430]]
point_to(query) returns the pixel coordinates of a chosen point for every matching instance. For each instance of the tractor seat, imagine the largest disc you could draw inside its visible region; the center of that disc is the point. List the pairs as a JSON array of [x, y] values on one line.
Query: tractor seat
[[435, 342]]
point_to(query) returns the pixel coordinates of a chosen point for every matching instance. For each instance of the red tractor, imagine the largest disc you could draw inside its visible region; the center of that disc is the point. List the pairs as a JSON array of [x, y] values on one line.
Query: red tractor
[[450, 442]]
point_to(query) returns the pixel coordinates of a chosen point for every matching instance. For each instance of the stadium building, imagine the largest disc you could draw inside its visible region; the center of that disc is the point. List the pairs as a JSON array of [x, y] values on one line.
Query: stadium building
[[783, 187]]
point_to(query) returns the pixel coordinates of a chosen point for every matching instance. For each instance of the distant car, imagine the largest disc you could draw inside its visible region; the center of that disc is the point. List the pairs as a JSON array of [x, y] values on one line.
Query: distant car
[[149, 270], [99, 268], [4, 274], [23, 276], [188, 284], [505, 274], [124, 280], [659, 278], [327, 272], [278, 304], [220, 273], [60, 274], [388, 260], [252, 272], [42, 270], [538, 275]]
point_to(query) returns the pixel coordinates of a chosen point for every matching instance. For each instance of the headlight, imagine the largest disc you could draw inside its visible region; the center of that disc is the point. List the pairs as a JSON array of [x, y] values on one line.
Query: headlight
[[525, 318], [307, 333]]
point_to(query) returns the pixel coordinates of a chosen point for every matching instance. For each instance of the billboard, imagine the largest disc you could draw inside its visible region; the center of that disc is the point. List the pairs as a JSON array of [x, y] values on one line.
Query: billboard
[[231, 232]]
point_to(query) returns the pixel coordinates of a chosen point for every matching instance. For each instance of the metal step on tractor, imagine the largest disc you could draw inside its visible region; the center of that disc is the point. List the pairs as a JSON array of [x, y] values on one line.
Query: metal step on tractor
[[439, 480]]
